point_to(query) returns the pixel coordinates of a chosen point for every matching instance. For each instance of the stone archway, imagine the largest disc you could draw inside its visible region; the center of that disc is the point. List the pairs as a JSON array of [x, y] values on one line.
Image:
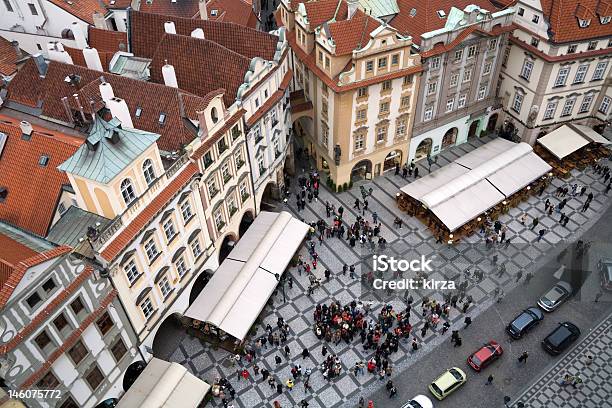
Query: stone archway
[[132, 373], [473, 129], [269, 197], [450, 137], [245, 222], [168, 336], [424, 149], [362, 171], [392, 159], [199, 284], [226, 246], [492, 122]]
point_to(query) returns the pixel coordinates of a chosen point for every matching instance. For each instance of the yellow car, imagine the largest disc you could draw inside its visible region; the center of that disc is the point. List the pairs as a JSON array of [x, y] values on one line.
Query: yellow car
[[448, 382]]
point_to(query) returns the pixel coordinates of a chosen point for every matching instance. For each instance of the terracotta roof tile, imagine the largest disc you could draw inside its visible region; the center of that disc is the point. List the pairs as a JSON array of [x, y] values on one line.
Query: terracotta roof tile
[[11, 253], [558, 58], [232, 11], [131, 231], [562, 17], [33, 189], [146, 31], [179, 8], [222, 67], [107, 40], [8, 58], [49, 310], [352, 34], [82, 9], [426, 18], [70, 341], [439, 49], [78, 58], [272, 100], [22, 267], [321, 11]]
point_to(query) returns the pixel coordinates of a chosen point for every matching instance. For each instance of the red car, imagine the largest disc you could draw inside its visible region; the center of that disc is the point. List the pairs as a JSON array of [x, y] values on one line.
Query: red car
[[485, 355]]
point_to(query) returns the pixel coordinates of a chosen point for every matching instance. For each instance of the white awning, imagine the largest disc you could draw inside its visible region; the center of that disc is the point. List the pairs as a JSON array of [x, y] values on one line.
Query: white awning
[[164, 385], [484, 153], [519, 174], [563, 141], [590, 134], [426, 184], [243, 283]]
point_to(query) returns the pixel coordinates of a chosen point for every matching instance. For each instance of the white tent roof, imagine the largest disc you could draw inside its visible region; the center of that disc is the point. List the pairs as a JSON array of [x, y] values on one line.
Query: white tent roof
[[165, 385], [243, 283], [563, 141], [501, 168], [590, 134]]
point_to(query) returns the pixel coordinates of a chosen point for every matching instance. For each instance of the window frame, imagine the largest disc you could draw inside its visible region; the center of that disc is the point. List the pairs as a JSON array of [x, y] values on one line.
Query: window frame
[[562, 76], [148, 170], [128, 192]]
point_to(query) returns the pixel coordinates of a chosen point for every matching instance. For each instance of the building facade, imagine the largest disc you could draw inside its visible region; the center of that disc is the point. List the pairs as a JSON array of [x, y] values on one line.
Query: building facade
[[557, 67]]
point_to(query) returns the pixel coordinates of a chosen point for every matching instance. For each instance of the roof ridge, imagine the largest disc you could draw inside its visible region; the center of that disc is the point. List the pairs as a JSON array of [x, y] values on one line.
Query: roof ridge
[[195, 39]]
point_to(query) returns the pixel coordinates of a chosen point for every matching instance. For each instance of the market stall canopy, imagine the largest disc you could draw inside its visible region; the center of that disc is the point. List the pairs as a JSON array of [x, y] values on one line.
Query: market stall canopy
[[590, 134], [165, 385], [567, 139], [241, 286]]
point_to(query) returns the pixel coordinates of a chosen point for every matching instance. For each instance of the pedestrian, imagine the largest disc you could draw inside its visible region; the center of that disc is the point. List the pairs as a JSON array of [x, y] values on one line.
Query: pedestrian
[[416, 172], [327, 274], [598, 296], [287, 350], [458, 342], [357, 203], [277, 404], [272, 382], [523, 357], [393, 392], [245, 374], [264, 374], [523, 218], [489, 379], [277, 359], [583, 190], [361, 402], [534, 223], [586, 206], [541, 234], [305, 353], [290, 384], [467, 321], [279, 388], [324, 351], [528, 278], [519, 275]]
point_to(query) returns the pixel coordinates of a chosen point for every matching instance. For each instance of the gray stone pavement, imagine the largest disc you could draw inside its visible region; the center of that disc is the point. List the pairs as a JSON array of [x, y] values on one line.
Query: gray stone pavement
[[412, 240], [594, 392]]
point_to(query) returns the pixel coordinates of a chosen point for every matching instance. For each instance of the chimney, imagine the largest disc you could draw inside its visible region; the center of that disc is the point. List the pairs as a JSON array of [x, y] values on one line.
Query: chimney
[[352, 7], [106, 92], [92, 59], [169, 27], [18, 51], [169, 75], [203, 9], [41, 64], [198, 33], [119, 110], [56, 52], [79, 36], [26, 128]]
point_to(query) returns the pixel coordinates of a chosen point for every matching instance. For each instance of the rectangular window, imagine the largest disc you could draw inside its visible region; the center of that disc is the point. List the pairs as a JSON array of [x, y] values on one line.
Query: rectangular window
[[386, 86], [454, 78], [506, 56], [195, 247], [471, 51], [361, 114], [458, 55], [382, 63], [225, 172], [359, 141], [362, 92], [521, 11], [467, 75], [450, 104], [605, 105], [169, 230], [518, 102], [535, 19], [94, 378], [105, 323], [585, 106], [384, 108], [33, 300], [369, 66], [592, 45], [381, 134], [482, 91], [487, 69], [218, 216], [401, 128], [568, 107], [164, 286], [49, 285], [77, 352], [395, 59], [549, 112], [244, 194], [147, 308], [527, 69], [572, 48], [581, 73], [431, 88], [327, 62], [562, 76], [461, 101], [208, 159], [405, 102], [118, 350], [77, 306], [43, 340], [186, 211], [320, 57], [180, 266], [261, 164], [493, 44], [49, 381], [407, 80], [151, 250], [428, 113], [212, 187], [535, 41], [324, 135], [61, 323], [435, 63], [131, 271], [33, 9], [8, 6], [238, 161], [600, 69]]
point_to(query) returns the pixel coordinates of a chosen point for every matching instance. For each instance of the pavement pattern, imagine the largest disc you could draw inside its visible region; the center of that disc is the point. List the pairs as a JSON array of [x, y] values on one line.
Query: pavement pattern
[[413, 240]]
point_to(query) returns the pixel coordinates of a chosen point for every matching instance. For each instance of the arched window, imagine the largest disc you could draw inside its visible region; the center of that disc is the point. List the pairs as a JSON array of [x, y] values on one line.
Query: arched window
[[148, 171], [127, 191], [67, 34], [213, 115]]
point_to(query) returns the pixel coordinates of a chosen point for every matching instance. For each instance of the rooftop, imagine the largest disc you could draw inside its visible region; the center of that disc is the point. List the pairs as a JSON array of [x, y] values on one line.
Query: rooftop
[[82, 9], [108, 150], [181, 8], [232, 11], [563, 19], [8, 58]]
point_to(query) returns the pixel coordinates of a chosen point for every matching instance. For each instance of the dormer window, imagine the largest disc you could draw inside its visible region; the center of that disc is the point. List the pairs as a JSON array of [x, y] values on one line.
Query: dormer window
[[138, 111], [148, 171], [214, 116], [605, 20], [535, 19], [162, 118], [413, 12], [441, 13], [214, 12], [43, 161], [127, 191], [584, 23], [572, 48]]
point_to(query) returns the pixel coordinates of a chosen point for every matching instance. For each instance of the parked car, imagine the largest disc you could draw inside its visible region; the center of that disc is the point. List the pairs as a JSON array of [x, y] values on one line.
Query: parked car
[[420, 401], [484, 356], [558, 294], [524, 322], [605, 269], [448, 382], [561, 338]]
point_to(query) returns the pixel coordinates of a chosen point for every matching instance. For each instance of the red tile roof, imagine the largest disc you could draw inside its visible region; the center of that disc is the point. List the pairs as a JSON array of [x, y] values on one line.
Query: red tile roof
[[70, 341], [82, 9], [107, 40], [28, 88], [11, 253], [131, 231], [179, 8], [562, 17], [232, 11], [146, 31], [49, 310], [442, 48], [8, 58], [22, 267], [33, 190], [118, 4], [78, 59], [558, 58], [201, 66], [426, 18], [352, 34], [272, 100], [320, 11]]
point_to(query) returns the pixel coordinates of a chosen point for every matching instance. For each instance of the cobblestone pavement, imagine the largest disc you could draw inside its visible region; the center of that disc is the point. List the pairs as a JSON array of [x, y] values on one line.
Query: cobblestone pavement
[[411, 241], [594, 392]]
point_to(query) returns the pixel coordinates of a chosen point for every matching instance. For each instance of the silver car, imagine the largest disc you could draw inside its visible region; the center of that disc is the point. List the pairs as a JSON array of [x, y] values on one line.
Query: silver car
[[420, 401], [558, 294]]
